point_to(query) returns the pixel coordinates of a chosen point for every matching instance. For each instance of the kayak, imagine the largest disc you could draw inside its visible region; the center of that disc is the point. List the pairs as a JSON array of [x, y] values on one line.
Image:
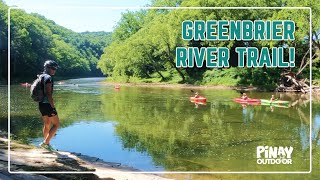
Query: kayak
[[249, 100], [199, 102], [198, 99], [276, 105], [265, 101], [25, 84]]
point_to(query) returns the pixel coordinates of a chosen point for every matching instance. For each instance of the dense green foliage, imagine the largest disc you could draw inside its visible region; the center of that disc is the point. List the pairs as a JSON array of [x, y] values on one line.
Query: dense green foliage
[[143, 44], [3, 41], [35, 39], [145, 41]]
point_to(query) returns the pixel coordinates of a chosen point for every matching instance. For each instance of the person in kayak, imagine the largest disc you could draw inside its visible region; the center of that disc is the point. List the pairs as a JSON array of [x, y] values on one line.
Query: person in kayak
[[244, 96], [196, 95], [272, 98]]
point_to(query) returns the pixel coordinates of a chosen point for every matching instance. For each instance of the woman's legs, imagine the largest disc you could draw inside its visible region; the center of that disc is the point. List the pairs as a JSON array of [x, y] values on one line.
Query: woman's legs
[[48, 132], [46, 127]]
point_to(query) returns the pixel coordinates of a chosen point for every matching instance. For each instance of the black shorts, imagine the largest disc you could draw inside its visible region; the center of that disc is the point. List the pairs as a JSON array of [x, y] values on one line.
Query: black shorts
[[46, 109]]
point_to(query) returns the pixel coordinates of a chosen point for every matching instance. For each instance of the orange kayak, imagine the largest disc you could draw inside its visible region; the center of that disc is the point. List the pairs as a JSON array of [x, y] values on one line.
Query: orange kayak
[[247, 101], [198, 99], [25, 84]]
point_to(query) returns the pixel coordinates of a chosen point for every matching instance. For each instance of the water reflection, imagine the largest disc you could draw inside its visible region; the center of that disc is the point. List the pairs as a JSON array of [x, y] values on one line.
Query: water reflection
[[247, 113], [165, 130], [99, 139], [316, 129], [304, 136]]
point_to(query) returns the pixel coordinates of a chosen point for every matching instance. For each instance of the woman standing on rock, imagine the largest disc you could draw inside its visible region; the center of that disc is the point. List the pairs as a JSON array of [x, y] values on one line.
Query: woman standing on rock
[[46, 106]]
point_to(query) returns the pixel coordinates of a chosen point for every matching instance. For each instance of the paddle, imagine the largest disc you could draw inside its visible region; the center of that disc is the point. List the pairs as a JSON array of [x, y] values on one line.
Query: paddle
[[194, 92], [271, 102]]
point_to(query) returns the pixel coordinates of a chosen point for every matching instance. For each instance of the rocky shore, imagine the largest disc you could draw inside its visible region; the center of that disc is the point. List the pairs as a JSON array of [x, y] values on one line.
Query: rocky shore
[[26, 158]]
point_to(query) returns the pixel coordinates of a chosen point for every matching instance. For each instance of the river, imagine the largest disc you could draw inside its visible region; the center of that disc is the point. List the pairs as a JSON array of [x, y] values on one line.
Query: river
[[159, 129]]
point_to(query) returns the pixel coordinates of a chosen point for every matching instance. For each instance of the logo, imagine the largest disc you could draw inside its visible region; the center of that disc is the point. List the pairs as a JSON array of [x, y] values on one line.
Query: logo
[[274, 155]]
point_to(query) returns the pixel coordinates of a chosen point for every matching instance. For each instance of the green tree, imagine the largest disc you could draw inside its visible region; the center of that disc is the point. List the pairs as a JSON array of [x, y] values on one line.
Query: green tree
[[147, 45], [35, 39]]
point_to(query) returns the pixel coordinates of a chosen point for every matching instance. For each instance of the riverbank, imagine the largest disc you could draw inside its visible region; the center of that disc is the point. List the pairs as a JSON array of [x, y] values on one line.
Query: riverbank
[[315, 91], [30, 158], [316, 86], [183, 86]]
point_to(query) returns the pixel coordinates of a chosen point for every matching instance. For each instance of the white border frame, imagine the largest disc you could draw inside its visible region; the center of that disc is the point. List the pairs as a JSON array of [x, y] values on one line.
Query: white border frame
[[163, 172]]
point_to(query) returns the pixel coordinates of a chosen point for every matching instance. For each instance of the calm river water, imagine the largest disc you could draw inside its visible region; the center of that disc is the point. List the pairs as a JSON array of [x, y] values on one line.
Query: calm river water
[[159, 129]]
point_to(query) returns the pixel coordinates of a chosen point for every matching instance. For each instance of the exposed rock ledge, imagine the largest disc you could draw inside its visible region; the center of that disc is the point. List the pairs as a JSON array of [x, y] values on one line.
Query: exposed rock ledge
[[30, 158]]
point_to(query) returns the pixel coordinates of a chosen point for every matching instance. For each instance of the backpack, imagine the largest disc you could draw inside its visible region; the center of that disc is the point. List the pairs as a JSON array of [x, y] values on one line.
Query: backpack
[[37, 89]]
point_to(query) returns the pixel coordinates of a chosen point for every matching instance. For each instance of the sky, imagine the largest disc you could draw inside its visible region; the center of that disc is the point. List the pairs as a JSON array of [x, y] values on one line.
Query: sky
[[80, 15]]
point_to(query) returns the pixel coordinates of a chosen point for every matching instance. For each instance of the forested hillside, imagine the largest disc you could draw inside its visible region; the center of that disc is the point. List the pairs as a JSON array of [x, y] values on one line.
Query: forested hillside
[[35, 39], [144, 43], [142, 47]]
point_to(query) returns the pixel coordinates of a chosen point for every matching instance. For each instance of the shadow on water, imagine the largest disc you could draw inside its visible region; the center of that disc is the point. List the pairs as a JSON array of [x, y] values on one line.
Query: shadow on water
[[223, 134], [3, 108], [25, 128]]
